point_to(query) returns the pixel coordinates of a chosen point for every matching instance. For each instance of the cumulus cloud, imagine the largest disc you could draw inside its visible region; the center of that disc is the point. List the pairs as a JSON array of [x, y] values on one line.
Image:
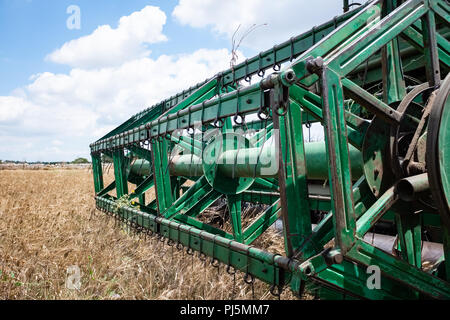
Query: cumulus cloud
[[107, 46], [77, 108], [11, 108], [284, 18], [57, 115]]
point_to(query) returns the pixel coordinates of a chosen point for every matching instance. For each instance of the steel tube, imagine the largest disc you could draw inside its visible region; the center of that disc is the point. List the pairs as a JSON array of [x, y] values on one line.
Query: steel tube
[[431, 251], [241, 163], [408, 188]]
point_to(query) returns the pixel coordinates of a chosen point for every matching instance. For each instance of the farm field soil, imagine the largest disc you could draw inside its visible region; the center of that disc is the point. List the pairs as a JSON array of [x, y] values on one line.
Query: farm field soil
[[50, 229]]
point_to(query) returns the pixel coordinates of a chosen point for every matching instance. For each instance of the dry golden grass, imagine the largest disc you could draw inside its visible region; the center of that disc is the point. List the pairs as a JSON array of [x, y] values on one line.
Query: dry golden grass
[[48, 222]]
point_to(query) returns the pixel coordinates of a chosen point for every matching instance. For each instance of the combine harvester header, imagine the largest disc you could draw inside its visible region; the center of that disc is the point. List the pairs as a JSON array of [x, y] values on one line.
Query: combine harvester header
[[377, 79]]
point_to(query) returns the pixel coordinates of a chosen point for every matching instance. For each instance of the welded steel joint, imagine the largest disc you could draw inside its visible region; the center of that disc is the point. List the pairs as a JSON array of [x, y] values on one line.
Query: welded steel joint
[[320, 262], [286, 78], [279, 84]]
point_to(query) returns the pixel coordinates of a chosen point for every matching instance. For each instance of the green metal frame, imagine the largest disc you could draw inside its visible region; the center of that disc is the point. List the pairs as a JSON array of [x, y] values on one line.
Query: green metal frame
[[320, 84]]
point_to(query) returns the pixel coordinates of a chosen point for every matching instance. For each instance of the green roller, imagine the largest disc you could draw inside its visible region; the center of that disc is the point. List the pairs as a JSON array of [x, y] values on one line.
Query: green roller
[[242, 163]]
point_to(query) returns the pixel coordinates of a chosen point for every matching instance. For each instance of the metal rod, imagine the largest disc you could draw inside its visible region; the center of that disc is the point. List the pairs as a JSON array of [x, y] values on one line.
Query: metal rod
[[244, 163], [408, 188], [431, 251]]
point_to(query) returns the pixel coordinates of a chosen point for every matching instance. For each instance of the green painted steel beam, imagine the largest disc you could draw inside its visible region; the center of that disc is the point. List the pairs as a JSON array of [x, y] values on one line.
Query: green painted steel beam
[[140, 152], [410, 237], [203, 203], [431, 52], [235, 209], [146, 184], [97, 171], [403, 272], [393, 82], [442, 8], [191, 197], [190, 145], [161, 175], [265, 184], [376, 211], [413, 35], [263, 197], [120, 166], [312, 104], [338, 155], [351, 55], [351, 279], [264, 221], [243, 101], [107, 189], [292, 174]]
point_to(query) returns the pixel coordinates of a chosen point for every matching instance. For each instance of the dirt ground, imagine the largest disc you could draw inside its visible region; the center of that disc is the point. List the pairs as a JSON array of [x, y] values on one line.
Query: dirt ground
[[54, 244]]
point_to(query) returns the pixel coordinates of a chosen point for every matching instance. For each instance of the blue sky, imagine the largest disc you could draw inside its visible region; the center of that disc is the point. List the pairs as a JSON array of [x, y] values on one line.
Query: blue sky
[[61, 89]]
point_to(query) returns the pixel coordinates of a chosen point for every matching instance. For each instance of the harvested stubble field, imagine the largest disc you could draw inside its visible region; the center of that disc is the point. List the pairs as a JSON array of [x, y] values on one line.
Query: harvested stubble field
[[48, 223]]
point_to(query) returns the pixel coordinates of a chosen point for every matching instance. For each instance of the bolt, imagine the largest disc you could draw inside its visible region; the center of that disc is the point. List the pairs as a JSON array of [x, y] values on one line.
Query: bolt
[[314, 65], [308, 270], [376, 172], [334, 257], [288, 77]]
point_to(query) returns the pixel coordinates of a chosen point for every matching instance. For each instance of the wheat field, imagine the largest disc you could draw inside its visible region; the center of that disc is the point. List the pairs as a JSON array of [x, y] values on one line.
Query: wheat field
[[49, 224]]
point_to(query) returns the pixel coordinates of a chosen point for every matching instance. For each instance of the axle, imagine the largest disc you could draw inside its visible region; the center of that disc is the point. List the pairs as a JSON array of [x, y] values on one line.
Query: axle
[[242, 163]]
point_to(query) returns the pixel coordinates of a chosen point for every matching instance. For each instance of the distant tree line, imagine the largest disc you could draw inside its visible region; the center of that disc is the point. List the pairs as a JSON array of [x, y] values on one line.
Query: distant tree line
[[80, 161], [76, 161]]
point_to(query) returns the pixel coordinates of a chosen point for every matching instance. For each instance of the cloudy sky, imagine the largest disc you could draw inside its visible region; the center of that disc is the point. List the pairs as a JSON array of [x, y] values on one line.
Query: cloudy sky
[[62, 88]]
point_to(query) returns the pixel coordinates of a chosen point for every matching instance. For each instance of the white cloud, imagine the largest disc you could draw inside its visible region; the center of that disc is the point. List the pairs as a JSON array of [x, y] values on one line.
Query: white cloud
[[56, 116], [61, 114], [11, 108], [284, 18], [57, 142], [117, 92], [110, 47]]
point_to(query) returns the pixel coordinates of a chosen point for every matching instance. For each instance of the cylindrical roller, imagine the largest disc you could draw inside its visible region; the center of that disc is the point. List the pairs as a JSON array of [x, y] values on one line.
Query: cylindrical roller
[[409, 187], [241, 163]]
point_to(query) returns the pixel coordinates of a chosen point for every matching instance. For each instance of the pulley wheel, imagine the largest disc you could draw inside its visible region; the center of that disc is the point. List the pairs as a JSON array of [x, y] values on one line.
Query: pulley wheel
[[438, 150]]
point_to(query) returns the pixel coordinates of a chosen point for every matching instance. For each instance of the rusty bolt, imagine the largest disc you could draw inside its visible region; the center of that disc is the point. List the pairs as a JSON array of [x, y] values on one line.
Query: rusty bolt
[[314, 65], [334, 257]]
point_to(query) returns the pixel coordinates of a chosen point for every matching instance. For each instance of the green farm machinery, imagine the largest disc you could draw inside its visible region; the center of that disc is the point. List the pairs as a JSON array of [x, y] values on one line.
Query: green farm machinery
[[363, 214]]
